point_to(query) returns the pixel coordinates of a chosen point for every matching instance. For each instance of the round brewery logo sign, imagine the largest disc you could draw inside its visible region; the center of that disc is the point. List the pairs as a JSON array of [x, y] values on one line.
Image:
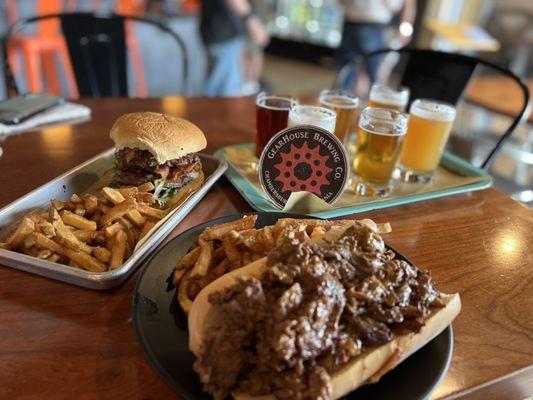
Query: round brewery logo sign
[[303, 158]]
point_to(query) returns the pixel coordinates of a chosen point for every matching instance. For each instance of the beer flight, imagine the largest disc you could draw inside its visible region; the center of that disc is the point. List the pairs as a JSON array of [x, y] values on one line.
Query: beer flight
[[384, 143]]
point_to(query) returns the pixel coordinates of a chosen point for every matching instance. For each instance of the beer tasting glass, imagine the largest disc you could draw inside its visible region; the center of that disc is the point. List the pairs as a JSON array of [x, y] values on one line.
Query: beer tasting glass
[[386, 97], [272, 114], [312, 115], [345, 105], [430, 123], [381, 133]]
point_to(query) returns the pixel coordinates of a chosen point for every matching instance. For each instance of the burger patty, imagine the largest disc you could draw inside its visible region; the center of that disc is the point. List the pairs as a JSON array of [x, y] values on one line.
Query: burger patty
[[136, 166]]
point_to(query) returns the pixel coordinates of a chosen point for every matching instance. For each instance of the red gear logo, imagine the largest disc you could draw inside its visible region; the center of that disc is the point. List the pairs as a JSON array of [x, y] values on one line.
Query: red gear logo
[[303, 169]]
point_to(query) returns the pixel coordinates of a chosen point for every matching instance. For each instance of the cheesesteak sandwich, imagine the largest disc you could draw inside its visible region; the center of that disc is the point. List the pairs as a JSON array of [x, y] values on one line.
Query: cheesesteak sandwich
[[314, 319], [160, 149]]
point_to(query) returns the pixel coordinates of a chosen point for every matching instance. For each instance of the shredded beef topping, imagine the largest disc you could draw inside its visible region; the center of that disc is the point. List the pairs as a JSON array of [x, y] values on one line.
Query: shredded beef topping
[[317, 307], [135, 167]]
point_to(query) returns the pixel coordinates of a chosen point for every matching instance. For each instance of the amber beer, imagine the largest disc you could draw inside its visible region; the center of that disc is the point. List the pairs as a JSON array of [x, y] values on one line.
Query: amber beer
[[386, 97], [272, 114], [381, 133], [430, 124], [345, 105]]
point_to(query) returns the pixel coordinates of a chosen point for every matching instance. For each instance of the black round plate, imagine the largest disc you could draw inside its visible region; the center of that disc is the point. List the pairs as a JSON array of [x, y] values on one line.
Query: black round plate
[[161, 329]]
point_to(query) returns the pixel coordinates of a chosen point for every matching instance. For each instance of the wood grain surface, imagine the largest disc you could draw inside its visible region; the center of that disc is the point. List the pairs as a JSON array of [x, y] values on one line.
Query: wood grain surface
[[498, 94], [63, 342]]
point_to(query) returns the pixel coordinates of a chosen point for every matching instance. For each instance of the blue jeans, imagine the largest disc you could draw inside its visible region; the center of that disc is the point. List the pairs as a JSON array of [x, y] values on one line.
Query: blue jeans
[[357, 40], [225, 68]]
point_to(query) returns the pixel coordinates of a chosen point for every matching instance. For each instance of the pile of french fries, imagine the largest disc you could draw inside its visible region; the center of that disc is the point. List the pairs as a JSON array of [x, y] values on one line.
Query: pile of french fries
[[223, 248], [95, 232]]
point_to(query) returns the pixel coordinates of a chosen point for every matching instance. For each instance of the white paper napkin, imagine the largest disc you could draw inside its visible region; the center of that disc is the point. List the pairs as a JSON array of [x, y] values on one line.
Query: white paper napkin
[[62, 112]]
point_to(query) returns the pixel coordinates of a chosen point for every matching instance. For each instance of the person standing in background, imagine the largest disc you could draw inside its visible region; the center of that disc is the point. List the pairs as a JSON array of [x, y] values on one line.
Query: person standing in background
[[223, 25], [365, 26]]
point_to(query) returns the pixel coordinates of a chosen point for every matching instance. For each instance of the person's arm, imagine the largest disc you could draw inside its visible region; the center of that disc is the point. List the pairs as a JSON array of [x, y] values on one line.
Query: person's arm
[[255, 27]]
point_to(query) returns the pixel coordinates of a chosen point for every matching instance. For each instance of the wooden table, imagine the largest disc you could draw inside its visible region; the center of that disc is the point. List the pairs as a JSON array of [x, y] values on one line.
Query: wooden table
[[62, 341], [498, 94]]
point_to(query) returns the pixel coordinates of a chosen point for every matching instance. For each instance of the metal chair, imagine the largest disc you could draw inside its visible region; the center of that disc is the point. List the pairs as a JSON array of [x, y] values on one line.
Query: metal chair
[[97, 49], [444, 76]]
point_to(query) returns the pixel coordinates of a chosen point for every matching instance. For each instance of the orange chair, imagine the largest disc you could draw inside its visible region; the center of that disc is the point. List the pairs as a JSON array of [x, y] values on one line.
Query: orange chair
[[134, 8], [40, 50]]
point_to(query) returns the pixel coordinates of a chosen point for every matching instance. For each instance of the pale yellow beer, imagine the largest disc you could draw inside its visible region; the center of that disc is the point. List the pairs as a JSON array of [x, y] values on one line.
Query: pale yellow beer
[[381, 133], [345, 105], [386, 97], [430, 124]]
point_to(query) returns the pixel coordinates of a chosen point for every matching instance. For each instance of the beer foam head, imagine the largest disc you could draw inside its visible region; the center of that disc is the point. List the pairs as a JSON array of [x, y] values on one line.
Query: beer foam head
[[433, 110], [303, 114], [382, 121], [338, 99], [273, 102], [386, 95]]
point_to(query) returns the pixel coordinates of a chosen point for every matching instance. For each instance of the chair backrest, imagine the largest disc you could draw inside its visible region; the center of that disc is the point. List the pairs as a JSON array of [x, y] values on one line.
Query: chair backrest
[[98, 51], [444, 76], [440, 76]]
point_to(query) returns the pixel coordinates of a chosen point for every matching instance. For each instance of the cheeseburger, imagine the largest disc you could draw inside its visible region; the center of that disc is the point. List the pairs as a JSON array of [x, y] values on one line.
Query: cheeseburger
[[157, 148]]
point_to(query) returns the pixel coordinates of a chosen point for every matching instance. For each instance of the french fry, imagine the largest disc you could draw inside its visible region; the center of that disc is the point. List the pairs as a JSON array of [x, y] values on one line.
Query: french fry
[[69, 205], [204, 259], [85, 235], [177, 276], [131, 235], [26, 227], [28, 242], [136, 217], [118, 250], [250, 238], [117, 211], [65, 236], [75, 199], [46, 228], [146, 228], [110, 242], [317, 231], [220, 269], [90, 202], [113, 195], [146, 187], [102, 254], [267, 237], [57, 204], [232, 252], [147, 198], [79, 210], [218, 231], [189, 259], [183, 293], [54, 257], [76, 221], [44, 253], [129, 192], [246, 258], [45, 243], [151, 212], [84, 260], [97, 214], [111, 230], [32, 251]]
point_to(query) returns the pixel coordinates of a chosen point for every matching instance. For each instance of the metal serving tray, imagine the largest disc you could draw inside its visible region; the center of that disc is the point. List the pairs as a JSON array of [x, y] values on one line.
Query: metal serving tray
[[88, 176]]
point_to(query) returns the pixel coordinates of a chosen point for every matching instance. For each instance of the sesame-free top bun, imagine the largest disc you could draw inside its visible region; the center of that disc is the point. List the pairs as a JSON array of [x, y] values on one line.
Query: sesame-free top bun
[[165, 136]]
